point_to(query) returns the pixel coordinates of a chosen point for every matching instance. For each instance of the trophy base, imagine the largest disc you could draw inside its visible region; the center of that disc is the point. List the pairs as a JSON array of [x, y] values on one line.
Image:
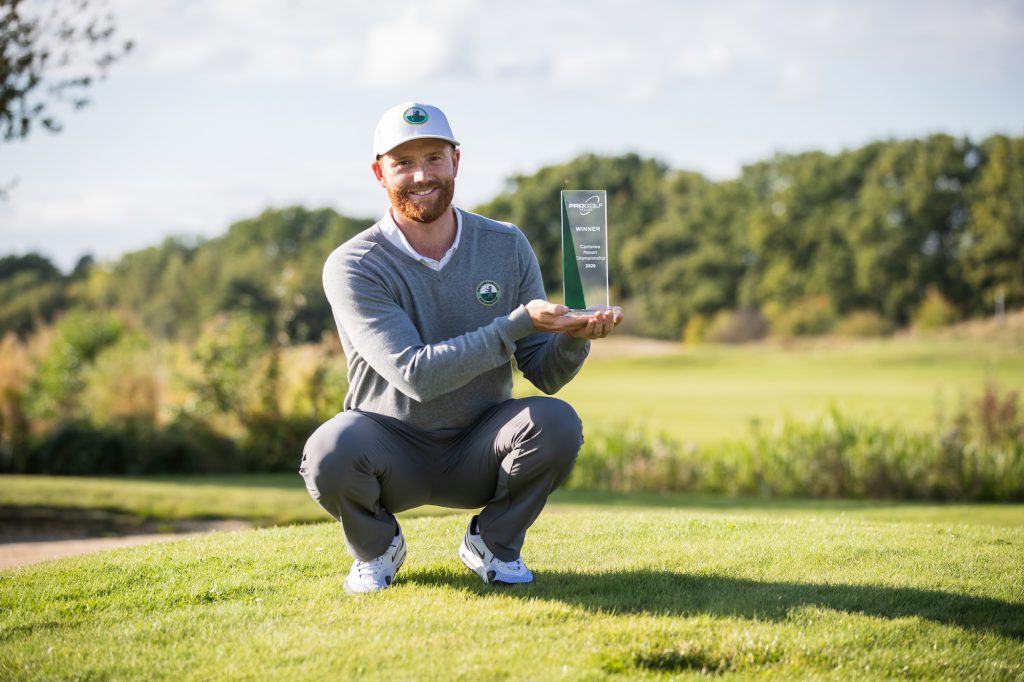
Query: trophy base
[[586, 312]]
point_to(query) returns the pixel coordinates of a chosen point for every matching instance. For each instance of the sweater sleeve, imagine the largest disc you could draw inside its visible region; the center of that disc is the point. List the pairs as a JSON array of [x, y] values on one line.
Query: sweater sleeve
[[548, 360], [386, 338]]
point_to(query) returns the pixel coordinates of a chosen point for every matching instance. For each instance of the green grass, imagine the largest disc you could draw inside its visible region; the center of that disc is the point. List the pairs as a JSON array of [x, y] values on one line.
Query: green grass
[[262, 499], [280, 499], [710, 393], [622, 593]]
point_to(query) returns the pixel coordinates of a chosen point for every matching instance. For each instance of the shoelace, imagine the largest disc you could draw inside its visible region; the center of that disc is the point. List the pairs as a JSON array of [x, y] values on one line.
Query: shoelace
[[369, 568]]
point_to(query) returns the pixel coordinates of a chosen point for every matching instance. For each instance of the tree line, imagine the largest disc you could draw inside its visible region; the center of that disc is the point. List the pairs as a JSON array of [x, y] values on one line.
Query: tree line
[[892, 233]]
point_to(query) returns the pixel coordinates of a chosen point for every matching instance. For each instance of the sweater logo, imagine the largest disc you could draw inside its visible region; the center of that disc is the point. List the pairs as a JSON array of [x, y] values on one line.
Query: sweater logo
[[488, 292]]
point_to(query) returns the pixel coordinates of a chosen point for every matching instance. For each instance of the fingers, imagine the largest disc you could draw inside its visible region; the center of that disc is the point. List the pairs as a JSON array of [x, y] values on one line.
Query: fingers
[[601, 323], [553, 317]]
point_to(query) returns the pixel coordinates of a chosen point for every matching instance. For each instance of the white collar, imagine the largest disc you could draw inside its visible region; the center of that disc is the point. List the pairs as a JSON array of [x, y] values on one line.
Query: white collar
[[397, 237]]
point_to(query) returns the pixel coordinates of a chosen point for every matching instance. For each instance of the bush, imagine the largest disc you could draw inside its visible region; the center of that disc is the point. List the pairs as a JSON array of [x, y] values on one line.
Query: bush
[[14, 372], [55, 390], [185, 446], [810, 316], [979, 455], [123, 384], [864, 324], [696, 330], [935, 311], [738, 326]]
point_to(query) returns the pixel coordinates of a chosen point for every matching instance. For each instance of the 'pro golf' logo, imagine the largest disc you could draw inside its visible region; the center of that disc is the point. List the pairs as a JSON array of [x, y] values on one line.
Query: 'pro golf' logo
[[415, 116], [488, 292], [591, 204]]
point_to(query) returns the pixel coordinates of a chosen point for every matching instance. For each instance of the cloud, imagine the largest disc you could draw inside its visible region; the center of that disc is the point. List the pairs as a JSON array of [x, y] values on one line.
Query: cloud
[[407, 51], [797, 80], [255, 39]]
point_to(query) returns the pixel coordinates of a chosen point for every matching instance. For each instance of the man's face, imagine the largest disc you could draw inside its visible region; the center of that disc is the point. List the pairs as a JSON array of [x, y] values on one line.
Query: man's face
[[419, 176]]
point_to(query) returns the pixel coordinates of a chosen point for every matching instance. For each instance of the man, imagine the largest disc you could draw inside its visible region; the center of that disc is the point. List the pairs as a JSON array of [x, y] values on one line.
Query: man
[[432, 304]]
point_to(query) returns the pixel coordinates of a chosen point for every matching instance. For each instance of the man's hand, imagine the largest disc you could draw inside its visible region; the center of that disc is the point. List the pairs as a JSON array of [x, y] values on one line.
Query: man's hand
[[599, 325], [551, 317]]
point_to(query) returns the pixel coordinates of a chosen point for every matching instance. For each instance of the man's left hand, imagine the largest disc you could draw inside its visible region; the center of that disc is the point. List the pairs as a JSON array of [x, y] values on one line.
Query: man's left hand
[[599, 325]]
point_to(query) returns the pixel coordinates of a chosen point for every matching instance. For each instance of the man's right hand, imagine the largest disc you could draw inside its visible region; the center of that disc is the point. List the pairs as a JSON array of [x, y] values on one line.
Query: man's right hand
[[550, 317]]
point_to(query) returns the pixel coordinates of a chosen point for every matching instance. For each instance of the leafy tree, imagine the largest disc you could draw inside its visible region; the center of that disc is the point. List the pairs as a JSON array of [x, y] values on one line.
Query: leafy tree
[[55, 389], [635, 201], [690, 261], [63, 45], [910, 223], [994, 241], [32, 292], [268, 266]]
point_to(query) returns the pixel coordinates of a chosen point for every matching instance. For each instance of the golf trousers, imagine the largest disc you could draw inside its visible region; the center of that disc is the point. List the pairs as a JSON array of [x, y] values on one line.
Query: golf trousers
[[363, 468]]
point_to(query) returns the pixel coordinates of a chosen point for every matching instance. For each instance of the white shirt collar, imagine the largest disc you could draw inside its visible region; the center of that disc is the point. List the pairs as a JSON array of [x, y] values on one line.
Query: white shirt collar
[[397, 237]]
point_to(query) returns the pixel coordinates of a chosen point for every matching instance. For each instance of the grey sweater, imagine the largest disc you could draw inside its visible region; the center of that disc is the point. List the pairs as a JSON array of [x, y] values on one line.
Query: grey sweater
[[434, 348]]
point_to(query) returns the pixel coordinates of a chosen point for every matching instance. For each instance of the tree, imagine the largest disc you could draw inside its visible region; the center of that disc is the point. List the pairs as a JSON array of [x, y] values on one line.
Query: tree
[[64, 45], [32, 292], [994, 244], [635, 201]]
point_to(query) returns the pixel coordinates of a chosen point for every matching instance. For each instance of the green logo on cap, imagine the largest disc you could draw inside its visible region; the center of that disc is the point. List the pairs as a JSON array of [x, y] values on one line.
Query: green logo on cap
[[488, 292], [415, 116]]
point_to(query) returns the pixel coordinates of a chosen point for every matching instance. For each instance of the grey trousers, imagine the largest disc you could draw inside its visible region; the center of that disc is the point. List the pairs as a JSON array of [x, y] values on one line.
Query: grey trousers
[[363, 468]]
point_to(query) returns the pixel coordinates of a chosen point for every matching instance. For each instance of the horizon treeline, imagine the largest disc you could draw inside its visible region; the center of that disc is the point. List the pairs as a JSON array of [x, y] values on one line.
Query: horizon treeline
[[921, 231]]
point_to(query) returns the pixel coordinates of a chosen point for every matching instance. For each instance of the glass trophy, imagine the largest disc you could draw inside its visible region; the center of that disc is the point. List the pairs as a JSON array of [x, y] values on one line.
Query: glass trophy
[[585, 251]]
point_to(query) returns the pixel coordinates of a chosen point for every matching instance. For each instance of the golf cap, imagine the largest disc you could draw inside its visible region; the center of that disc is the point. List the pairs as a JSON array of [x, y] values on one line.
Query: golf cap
[[409, 121]]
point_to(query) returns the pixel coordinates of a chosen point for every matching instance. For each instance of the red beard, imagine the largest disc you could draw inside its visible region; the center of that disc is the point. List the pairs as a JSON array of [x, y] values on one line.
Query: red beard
[[423, 212]]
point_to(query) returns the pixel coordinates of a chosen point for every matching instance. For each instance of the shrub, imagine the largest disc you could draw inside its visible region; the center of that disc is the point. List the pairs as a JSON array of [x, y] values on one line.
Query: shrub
[[696, 330], [979, 455], [186, 446], [14, 374], [935, 311], [864, 324], [229, 355], [55, 390], [810, 316], [123, 384], [737, 326]]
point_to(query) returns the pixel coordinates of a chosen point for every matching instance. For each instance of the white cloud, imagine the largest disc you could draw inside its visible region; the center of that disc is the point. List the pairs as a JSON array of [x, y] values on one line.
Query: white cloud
[[797, 80], [407, 51]]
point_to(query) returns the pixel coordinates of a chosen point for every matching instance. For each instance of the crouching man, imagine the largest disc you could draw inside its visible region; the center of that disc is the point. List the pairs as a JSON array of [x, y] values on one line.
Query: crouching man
[[432, 303]]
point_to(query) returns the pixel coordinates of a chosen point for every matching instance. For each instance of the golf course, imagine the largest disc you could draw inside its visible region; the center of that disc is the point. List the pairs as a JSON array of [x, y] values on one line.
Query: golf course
[[629, 586]]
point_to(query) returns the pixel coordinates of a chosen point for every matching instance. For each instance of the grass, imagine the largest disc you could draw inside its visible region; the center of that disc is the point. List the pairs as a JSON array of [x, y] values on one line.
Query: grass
[[637, 591], [281, 499], [641, 586], [705, 394]]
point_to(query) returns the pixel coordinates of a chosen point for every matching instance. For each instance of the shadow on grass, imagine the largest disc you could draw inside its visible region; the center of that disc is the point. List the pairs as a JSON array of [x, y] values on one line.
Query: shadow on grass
[[686, 594]]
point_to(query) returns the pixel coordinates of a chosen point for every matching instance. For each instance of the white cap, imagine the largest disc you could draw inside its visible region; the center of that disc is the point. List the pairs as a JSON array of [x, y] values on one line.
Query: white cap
[[409, 121]]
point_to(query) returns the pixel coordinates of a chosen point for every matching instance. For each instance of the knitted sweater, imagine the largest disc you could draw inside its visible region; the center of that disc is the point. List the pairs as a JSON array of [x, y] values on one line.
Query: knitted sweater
[[434, 348]]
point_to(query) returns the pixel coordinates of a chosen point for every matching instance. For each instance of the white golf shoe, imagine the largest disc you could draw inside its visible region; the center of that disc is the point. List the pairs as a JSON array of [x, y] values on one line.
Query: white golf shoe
[[480, 560], [376, 574]]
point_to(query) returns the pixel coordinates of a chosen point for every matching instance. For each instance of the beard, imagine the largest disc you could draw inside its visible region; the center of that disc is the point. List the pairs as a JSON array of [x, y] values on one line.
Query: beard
[[423, 212]]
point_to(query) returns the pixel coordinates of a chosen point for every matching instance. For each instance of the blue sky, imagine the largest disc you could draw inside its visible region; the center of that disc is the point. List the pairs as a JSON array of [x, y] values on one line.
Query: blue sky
[[228, 107]]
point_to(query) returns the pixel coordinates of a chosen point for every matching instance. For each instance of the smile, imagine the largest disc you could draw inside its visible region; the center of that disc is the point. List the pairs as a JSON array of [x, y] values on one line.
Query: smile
[[422, 192]]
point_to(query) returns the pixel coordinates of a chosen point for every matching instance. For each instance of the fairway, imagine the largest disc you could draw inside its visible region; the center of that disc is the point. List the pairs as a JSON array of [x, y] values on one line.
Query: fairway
[[627, 593], [708, 393]]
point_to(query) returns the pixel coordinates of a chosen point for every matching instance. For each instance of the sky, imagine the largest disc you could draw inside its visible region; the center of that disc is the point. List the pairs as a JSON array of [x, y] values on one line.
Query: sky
[[228, 107]]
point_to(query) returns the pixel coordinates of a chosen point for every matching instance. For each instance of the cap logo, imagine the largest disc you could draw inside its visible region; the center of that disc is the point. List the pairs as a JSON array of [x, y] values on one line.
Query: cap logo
[[488, 292], [415, 116]]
